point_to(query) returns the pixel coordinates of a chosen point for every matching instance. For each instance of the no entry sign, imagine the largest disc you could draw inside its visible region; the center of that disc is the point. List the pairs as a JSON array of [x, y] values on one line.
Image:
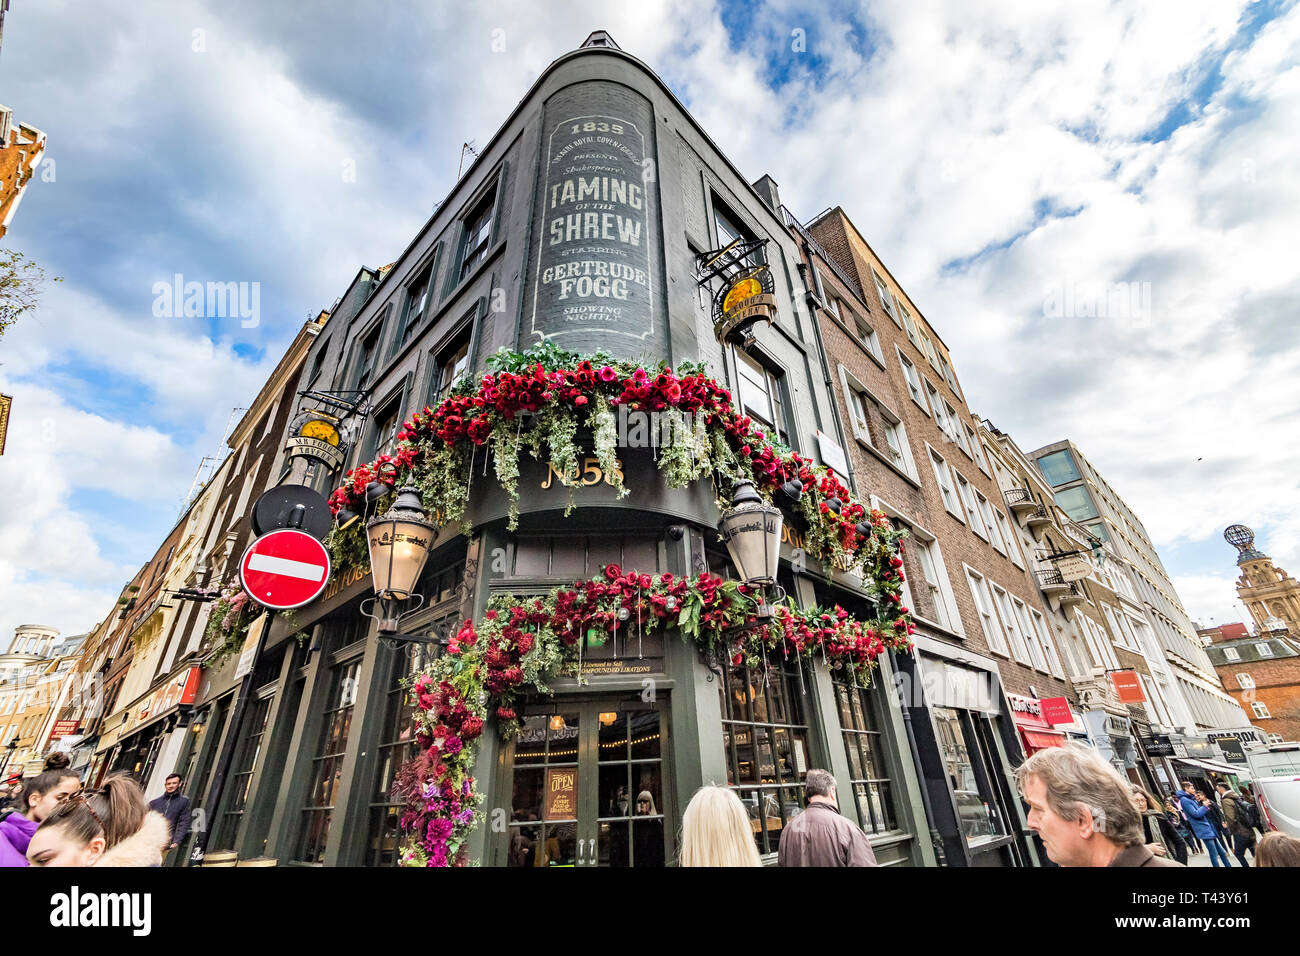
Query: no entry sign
[[285, 569]]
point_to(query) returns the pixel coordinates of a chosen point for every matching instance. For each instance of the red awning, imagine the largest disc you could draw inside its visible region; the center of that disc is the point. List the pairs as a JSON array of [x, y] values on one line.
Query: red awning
[[1041, 739]]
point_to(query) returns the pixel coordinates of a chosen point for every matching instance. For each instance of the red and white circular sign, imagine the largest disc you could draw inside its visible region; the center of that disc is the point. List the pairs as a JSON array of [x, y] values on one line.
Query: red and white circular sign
[[285, 569]]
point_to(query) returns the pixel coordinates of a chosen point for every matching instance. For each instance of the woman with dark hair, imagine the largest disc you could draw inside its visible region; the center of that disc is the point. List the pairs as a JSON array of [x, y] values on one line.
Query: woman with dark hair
[[1158, 831], [111, 826], [40, 796]]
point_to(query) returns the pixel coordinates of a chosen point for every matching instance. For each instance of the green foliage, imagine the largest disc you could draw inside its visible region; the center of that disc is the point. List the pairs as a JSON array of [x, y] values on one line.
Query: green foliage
[[20, 286]]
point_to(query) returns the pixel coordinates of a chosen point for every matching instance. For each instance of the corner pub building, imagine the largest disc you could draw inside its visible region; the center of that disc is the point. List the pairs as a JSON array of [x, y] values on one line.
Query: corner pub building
[[581, 224]]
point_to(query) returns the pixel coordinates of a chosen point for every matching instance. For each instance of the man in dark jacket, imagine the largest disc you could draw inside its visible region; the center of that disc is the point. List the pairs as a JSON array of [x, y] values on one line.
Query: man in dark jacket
[[820, 836], [1236, 819], [175, 806]]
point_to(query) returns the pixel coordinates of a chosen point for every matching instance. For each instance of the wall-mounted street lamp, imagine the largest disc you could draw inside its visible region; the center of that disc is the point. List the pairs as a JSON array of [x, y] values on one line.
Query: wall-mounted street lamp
[[399, 541], [752, 532]]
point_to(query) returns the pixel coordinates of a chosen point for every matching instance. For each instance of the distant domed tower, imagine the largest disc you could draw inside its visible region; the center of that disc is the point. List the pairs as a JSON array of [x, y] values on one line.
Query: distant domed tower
[[1270, 594]]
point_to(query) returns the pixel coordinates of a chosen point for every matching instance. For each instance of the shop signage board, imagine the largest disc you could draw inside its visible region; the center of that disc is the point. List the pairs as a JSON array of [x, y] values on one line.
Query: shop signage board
[[182, 690], [1128, 687], [1056, 710], [561, 793], [1158, 745], [65, 728], [248, 652], [1232, 749], [1074, 567], [285, 569]]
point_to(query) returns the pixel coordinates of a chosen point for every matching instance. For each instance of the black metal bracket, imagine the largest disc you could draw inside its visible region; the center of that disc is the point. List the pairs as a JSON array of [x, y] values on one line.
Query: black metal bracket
[[717, 262]]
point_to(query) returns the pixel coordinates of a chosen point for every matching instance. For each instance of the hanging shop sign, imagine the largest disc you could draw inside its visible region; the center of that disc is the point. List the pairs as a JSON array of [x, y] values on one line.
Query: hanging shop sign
[[1158, 745], [182, 690], [6, 402], [1056, 710], [315, 435], [65, 728], [285, 569], [593, 268], [745, 299], [1128, 687], [1074, 567]]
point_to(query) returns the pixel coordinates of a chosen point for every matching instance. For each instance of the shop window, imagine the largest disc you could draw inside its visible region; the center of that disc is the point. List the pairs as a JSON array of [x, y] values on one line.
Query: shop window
[[978, 812], [729, 230], [326, 770], [235, 799], [396, 746], [869, 777], [765, 737]]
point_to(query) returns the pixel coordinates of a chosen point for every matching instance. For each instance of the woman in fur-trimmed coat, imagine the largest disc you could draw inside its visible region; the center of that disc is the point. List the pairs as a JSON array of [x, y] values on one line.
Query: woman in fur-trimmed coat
[[111, 826]]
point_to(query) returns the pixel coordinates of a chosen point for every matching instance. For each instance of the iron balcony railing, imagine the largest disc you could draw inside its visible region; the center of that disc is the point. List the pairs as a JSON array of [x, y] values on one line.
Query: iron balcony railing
[[1019, 496]]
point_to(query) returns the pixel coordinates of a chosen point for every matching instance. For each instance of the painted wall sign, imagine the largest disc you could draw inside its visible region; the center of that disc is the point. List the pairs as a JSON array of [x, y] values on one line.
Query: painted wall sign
[[596, 245]]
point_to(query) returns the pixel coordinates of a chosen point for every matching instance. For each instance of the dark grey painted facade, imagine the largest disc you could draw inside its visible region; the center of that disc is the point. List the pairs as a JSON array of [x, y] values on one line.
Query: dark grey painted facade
[[650, 192]]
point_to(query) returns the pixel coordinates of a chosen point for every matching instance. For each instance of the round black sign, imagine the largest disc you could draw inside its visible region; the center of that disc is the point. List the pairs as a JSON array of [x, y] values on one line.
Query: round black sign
[[292, 506]]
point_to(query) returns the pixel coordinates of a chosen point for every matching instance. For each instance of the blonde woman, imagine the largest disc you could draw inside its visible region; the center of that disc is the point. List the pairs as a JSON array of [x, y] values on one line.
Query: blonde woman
[[716, 830]]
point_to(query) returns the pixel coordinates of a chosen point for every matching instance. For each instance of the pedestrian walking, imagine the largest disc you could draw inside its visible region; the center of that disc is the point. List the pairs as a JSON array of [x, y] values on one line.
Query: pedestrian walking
[[1082, 810], [1278, 849], [716, 830], [1237, 819], [42, 794], [175, 806], [1179, 820], [820, 836], [1158, 833], [1199, 816], [1216, 814], [1255, 819], [109, 826]]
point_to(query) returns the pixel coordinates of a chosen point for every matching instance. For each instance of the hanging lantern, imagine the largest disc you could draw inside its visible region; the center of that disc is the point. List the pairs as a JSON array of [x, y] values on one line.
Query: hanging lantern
[[752, 532], [399, 542]]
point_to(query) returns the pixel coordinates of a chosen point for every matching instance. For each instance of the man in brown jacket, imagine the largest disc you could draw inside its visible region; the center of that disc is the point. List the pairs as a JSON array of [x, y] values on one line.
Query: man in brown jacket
[[820, 836]]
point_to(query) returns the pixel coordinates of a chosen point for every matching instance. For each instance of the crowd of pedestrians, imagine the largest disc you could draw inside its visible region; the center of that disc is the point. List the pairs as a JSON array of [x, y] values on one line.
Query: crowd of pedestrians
[[52, 820]]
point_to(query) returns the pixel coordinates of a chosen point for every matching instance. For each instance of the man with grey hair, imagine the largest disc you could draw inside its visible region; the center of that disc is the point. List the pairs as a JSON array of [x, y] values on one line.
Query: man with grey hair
[[1083, 810], [820, 836]]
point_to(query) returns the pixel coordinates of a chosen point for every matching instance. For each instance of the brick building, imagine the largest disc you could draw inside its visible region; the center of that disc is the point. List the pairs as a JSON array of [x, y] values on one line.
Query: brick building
[[915, 450], [1262, 671]]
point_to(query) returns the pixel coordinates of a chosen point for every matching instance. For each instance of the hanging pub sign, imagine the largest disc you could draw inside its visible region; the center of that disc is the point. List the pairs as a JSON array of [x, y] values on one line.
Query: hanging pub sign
[[6, 401], [315, 435], [745, 299], [1074, 567]]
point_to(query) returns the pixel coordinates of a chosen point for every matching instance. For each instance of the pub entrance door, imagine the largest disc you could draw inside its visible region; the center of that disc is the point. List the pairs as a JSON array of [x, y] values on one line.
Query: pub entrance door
[[589, 784]]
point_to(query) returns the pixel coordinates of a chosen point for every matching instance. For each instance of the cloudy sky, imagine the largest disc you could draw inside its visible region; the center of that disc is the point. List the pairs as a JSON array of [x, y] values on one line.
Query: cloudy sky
[[1010, 161]]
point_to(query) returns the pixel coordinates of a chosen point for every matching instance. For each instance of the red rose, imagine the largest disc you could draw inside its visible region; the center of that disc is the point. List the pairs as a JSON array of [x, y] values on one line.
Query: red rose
[[613, 572], [505, 713]]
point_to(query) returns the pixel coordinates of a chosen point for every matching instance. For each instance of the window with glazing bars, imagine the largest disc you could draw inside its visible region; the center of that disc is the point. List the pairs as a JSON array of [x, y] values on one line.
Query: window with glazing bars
[[872, 788], [396, 746], [326, 770], [241, 775], [765, 736]]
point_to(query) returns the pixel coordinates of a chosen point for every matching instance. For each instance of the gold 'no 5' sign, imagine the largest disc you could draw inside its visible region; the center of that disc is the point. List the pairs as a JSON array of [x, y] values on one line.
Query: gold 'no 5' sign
[[591, 474]]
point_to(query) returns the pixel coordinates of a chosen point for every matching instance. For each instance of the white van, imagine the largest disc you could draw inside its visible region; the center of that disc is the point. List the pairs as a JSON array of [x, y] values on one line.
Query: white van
[[1276, 774]]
